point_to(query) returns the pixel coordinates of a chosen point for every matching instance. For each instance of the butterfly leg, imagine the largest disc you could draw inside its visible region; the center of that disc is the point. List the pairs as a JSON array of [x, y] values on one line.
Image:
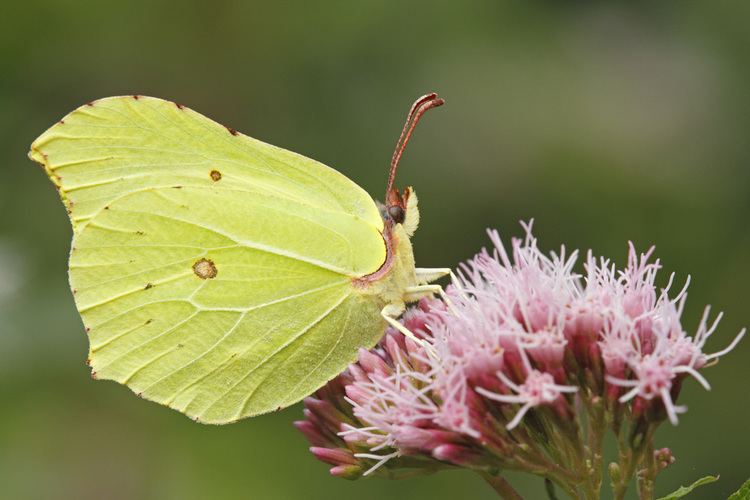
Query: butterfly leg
[[390, 313], [414, 293], [428, 275]]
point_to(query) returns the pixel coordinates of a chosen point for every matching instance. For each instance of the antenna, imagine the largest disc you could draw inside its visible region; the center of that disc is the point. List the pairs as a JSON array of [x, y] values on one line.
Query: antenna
[[419, 108]]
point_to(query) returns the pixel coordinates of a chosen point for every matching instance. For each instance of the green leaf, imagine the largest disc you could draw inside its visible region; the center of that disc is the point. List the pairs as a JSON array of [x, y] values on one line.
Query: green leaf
[[684, 490], [743, 493]]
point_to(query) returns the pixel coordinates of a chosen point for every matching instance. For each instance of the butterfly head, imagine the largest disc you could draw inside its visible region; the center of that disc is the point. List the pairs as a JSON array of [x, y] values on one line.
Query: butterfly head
[[401, 208], [395, 206]]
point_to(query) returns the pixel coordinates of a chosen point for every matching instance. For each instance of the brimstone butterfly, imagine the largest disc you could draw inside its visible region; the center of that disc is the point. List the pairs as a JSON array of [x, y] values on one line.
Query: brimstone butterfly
[[219, 275]]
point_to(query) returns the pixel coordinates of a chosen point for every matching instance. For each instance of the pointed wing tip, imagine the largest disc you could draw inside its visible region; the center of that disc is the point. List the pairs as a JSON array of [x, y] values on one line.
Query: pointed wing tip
[[34, 154], [37, 155], [36, 150]]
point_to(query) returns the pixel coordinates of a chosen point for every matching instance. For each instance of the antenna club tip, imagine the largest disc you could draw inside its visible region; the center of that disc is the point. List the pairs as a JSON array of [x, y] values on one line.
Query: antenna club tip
[[419, 108], [431, 96]]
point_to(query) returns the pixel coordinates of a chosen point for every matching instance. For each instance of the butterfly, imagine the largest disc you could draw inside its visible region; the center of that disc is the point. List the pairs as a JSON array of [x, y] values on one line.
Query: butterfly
[[217, 274]]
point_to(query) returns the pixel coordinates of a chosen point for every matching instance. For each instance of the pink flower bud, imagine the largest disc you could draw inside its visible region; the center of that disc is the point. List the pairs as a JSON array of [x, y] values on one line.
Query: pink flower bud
[[457, 455], [423, 439], [664, 458], [373, 363], [313, 433], [333, 456], [347, 471], [325, 411]]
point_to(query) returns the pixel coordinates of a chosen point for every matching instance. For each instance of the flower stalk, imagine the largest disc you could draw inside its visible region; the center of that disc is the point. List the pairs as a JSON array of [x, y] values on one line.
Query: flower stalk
[[501, 486]]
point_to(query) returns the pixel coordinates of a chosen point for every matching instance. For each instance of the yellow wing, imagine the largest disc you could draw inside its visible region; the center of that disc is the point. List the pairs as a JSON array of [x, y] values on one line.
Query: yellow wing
[[212, 271]]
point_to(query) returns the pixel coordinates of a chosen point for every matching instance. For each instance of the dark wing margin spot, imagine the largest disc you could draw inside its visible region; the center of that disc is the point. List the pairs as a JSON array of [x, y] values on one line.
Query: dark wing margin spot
[[231, 130]]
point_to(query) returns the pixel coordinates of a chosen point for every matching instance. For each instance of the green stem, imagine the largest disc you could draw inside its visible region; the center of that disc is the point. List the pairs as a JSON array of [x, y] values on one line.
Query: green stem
[[549, 487], [533, 459], [501, 486], [582, 439], [597, 426], [649, 469], [642, 455], [624, 463]]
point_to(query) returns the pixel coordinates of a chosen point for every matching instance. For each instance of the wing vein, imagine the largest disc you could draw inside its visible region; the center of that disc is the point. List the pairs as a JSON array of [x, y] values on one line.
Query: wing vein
[[342, 330], [304, 330], [241, 317], [252, 244]]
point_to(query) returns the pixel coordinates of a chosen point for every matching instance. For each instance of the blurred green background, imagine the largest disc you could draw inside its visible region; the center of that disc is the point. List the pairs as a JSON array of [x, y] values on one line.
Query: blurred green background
[[603, 121]]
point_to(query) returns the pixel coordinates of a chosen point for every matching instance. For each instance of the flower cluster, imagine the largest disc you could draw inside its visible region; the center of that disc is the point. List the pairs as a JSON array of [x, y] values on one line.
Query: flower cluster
[[524, 365]]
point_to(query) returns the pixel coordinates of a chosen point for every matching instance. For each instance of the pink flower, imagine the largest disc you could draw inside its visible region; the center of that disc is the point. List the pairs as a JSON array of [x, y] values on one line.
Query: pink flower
[[509, 364], [670, 353], [539, 388]]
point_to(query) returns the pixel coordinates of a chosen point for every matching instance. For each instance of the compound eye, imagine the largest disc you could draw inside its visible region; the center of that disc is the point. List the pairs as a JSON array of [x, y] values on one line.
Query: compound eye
[[396, 213]]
